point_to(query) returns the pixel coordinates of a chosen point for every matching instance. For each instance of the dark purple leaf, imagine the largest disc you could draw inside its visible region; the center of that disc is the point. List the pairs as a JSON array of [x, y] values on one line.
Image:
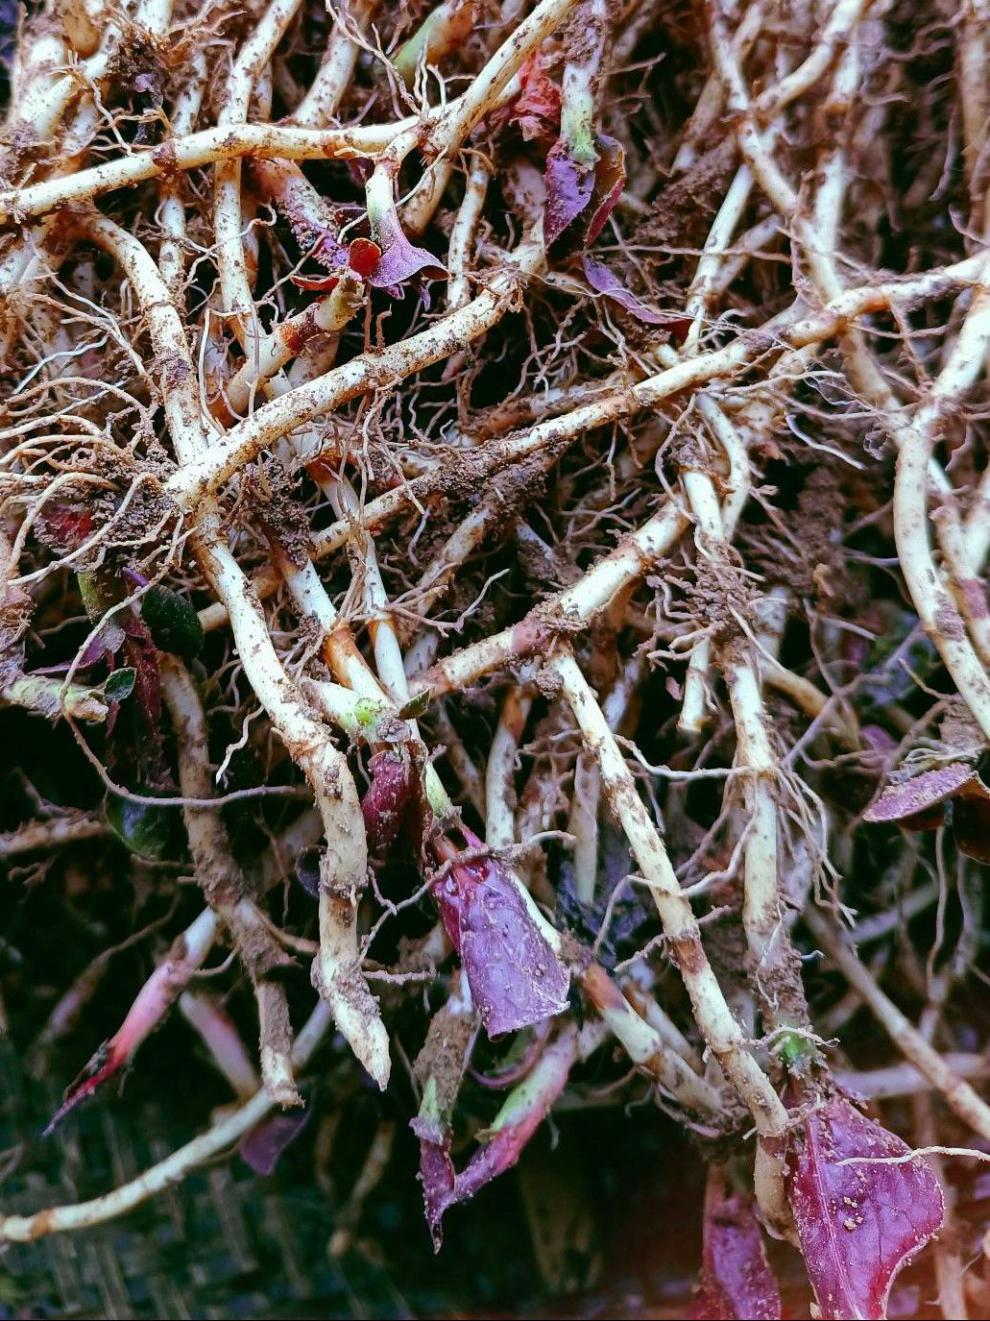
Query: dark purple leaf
[[308, 872], [384, 804], [858, 1222], [104, 644], [262, 1146], [736, 1279], [521, 1115], [899, 801], [610, 179], [569, 189], [971, 826], [515, 977], [604, 282], [436, 1174]]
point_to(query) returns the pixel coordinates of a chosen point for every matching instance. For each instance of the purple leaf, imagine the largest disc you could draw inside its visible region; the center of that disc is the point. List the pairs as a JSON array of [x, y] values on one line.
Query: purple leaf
[[604, 282], [515, 977], [569, 189], [437, 1175], [610, 179], [261, 1147], [736, 1279], [400, 259], [858, 1222], [521, 1115], [925, 791], [384, 804]]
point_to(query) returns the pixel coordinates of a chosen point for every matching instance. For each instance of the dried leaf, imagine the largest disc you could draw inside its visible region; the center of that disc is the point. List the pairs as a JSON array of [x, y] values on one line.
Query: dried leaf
[[736, 1279], [971, 826], [515, 977], [536, 110], [858, 1222]]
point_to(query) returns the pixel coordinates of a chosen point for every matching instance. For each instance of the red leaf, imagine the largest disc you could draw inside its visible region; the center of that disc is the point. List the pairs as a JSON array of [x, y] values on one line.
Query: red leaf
[[610, 179], [858, 1222], [536, 110], [736, 1279], [362, 256], [152, 1002], [515, 977], [321, 284]]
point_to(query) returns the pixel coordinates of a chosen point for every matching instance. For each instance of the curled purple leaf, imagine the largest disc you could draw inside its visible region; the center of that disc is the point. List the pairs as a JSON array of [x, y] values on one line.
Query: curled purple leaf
[[604, 282], [519, 1118], [437, 1175], [262, 1147], [384, 804], [516, 979], [863, 1205], [400, 260], [610, 179], [736, 1279]]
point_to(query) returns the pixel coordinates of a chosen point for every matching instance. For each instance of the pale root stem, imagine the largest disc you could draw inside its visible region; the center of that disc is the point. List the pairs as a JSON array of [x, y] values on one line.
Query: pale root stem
[[500, 771], [647, 1048], [235, 282], [50, 834], [343, 866], [721, 1032], [802, 333], [206, 147], [221, 1038], [223, 1135], [915, 440], [959, 1096], [320, 103], [325, 316], [222, 883], [364, 373], [463, 233]]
